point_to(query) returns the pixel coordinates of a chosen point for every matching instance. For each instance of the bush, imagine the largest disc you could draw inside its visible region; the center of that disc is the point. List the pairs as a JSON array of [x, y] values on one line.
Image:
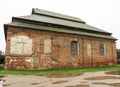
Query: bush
[[118, 53], [2, 59]]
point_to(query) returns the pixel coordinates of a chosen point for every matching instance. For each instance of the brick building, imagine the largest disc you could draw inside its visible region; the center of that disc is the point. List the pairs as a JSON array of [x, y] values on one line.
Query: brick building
[[45, 40]]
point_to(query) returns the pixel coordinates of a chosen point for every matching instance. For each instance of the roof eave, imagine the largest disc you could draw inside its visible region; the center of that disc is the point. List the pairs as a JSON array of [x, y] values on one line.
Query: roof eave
[[16, 18], [5, 30], [6, 25]]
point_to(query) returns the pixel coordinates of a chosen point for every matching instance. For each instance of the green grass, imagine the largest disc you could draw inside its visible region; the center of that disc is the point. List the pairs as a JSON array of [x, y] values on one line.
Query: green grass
[[59, 71]]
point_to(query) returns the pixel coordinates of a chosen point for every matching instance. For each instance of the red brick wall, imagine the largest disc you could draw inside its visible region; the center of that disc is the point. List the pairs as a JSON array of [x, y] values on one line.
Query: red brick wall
[[60, 56]]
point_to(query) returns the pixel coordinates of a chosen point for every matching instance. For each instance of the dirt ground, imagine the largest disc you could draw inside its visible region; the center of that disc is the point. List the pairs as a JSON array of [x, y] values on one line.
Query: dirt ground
[[91, 79]]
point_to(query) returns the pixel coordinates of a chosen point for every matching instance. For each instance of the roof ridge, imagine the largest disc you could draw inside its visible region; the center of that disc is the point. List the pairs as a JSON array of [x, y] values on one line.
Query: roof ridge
[[56, 15]]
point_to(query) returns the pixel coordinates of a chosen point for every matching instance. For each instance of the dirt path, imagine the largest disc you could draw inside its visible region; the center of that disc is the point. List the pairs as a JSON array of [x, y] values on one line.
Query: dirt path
[[96, 79]]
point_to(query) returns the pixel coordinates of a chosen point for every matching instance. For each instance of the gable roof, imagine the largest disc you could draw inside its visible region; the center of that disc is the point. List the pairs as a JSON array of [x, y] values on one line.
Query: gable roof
[[55, 15], [72, 24], [57, 21]]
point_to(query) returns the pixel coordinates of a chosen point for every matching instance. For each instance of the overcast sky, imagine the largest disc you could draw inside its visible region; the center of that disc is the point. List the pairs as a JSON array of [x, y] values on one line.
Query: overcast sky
[[103, 14]]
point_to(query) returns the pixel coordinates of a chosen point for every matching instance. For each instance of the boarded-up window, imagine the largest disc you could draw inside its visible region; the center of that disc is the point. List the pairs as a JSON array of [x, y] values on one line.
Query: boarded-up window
[[74, 47], [47, 45], [102, 49], [21, 45], [89, 48]]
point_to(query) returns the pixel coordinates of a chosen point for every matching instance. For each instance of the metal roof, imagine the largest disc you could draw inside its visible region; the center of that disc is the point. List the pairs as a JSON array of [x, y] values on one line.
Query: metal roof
[[61, 30], [57, 21], [55, 15], [65, 24]]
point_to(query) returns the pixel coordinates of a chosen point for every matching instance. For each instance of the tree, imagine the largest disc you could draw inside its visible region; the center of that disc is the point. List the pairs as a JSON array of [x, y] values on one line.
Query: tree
[[0, 52], [118, 53], [2, 58]]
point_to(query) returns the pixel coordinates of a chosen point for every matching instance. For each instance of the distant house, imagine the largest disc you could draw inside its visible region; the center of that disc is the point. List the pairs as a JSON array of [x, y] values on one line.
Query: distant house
[[45, 40]]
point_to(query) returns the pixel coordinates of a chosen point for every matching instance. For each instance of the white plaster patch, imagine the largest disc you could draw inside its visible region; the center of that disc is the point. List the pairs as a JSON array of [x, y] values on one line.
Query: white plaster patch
[[21, 45], [89, 48], [47, 45], [28, 60], [11, 60]]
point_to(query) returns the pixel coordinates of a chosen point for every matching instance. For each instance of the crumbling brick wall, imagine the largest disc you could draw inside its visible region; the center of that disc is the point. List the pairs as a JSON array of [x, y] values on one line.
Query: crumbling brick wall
[[53, 50]]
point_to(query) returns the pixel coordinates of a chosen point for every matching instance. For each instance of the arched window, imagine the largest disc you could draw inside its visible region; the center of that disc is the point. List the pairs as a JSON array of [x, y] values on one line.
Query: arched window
[[21, 45], [102, 49]]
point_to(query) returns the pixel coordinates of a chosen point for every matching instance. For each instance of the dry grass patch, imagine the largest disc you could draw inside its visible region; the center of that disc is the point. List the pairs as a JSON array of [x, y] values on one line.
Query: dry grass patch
[[102, 78], [5, 85], [83, 82], [61, 75], [114, 84], [100, 83], [80, 85], [1, 76], [113, 73], [110, 84], [34, 83], [59, 82]]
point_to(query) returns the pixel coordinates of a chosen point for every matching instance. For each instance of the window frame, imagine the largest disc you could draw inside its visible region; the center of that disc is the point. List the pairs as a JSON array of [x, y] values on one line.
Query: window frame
[[74, 48], [102, 49]]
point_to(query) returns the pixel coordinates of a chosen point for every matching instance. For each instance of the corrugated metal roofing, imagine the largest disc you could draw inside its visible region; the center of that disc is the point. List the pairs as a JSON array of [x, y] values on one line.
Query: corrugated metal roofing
[[62, 30], [57, 15], [40, 16], [46, 19]]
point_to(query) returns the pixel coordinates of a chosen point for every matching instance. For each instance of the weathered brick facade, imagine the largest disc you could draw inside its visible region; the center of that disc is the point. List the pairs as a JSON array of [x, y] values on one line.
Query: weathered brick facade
[[42, 49]]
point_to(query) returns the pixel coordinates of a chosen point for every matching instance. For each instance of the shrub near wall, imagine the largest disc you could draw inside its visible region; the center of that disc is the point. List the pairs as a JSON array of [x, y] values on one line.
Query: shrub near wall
[[2, 59]]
